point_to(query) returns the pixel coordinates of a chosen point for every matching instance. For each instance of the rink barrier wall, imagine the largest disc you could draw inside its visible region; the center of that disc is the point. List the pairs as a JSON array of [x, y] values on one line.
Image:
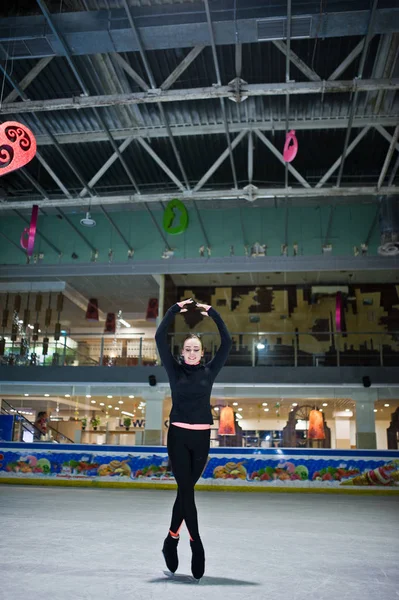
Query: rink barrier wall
[[228, 469]]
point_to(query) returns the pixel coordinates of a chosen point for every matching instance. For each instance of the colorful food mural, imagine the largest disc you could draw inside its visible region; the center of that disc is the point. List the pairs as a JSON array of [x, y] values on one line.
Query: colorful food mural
[[315, 469]]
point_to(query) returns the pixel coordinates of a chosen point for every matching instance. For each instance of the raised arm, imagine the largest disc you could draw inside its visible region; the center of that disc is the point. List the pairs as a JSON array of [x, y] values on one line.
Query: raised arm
[[161, 339], [225, 344]]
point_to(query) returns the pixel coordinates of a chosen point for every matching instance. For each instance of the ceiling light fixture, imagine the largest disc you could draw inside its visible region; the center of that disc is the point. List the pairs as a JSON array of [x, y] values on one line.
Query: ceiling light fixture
[[88, 221], [125, 323]]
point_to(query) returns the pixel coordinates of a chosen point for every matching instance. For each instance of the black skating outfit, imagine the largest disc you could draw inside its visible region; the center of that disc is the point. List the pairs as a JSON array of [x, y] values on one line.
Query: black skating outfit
[[191, 387]]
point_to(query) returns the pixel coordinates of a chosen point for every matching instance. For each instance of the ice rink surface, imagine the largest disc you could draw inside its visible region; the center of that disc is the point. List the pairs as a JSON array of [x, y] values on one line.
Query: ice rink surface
[[105, 544]]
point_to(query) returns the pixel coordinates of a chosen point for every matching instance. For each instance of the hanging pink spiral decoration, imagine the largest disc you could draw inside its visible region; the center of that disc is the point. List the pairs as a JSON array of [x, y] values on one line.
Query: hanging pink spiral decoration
[[29, 233], [290, 147], [17, 146]]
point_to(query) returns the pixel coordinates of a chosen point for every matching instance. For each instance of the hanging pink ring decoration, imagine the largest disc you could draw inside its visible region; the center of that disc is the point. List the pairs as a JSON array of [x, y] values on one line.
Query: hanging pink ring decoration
[[338, 311], [290, 151], [17, 146], [29, 233]]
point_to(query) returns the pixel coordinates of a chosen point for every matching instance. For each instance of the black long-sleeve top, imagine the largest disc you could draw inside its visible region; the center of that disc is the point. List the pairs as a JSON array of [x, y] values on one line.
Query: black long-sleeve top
[[191, 385]]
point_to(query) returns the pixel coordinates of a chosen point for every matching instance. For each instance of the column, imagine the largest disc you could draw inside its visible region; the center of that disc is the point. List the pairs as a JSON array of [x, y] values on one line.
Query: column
[[365, 418], [153, 429]]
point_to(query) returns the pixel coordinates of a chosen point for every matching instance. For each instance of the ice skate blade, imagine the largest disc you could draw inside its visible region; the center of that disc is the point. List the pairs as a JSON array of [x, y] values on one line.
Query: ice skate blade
[[180, 578]]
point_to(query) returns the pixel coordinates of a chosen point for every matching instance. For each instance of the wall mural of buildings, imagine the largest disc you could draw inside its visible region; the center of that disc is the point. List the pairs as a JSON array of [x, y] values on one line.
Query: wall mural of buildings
[[305, 316]]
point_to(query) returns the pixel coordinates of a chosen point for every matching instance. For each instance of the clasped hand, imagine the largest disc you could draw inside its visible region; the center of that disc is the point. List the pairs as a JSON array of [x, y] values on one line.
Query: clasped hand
[[204, 312]]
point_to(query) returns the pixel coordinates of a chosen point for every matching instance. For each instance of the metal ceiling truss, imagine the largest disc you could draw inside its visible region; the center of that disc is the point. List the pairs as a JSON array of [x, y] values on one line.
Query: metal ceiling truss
[[236, 90], [179, 25], [132, 133], [353, 102], [160, 107], [232, 264], [215, 194], [204, 93], [219, 83]]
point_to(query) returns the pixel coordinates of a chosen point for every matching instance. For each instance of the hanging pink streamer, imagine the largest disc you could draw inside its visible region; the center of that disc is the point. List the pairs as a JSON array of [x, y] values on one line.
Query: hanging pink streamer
[[338, 311], [29, 233], [290, 146]]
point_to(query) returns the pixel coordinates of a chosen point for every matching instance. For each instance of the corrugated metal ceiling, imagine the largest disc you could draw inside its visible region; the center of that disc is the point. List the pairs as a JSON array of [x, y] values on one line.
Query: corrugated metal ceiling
[[261, 63]]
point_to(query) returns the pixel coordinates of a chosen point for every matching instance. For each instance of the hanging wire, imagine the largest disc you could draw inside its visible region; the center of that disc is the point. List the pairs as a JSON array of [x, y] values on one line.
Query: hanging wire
[[317, 33]]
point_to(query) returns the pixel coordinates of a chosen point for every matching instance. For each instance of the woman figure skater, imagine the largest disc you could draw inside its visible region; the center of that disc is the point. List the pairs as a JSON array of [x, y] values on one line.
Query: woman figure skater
[[190, 421]]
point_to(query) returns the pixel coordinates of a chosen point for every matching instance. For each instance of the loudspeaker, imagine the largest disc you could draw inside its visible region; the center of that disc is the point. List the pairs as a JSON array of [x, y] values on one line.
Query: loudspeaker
[[152, 380], [366, 381]]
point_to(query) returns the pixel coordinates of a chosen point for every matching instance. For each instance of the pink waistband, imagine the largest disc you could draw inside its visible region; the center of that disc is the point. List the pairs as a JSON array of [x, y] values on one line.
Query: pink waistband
[[189, 426]]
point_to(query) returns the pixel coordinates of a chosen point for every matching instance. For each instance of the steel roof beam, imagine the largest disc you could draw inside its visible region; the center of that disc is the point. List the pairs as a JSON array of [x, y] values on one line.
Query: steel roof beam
[[348, 60], [219, 161], [335, 166], [160, 162], [10, 241], [235, 264], [226, 91], [216, 128], [181, 67], [219, 194], [20, 92], [44, 238], [76, 230], [219, 83], [388, 157], [298, 62], [153, 89], [118, 231], [85, 90], [29, 77], [130, 71], [106, 31], [106, 166], [280, 157], [353, 102], [386, 134]]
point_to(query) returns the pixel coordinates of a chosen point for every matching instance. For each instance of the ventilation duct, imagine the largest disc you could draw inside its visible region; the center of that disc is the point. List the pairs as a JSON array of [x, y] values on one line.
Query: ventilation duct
[[389, 226], [276, 28]]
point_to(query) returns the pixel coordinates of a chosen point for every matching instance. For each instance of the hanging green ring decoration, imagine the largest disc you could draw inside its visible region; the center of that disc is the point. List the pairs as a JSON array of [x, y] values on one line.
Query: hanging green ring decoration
[[169, 217]]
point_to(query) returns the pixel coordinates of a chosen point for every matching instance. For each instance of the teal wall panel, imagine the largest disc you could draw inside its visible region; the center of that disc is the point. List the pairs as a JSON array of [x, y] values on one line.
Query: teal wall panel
[[307, 226]]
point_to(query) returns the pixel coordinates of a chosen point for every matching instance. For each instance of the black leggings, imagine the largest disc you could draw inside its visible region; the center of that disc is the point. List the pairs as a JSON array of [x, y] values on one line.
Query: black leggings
[[188, 452]]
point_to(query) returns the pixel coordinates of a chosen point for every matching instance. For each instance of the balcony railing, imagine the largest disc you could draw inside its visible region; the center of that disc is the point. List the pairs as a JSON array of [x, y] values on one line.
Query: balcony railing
[[266, 349]]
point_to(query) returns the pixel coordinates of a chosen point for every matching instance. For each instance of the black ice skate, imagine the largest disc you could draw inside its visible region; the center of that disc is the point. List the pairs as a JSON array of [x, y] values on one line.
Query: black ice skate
[[169, 551], [198, 558]]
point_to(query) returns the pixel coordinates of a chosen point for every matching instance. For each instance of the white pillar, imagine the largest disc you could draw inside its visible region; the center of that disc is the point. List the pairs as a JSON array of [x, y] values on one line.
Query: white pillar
[[153, 431], [365, 418], [342, 431]]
